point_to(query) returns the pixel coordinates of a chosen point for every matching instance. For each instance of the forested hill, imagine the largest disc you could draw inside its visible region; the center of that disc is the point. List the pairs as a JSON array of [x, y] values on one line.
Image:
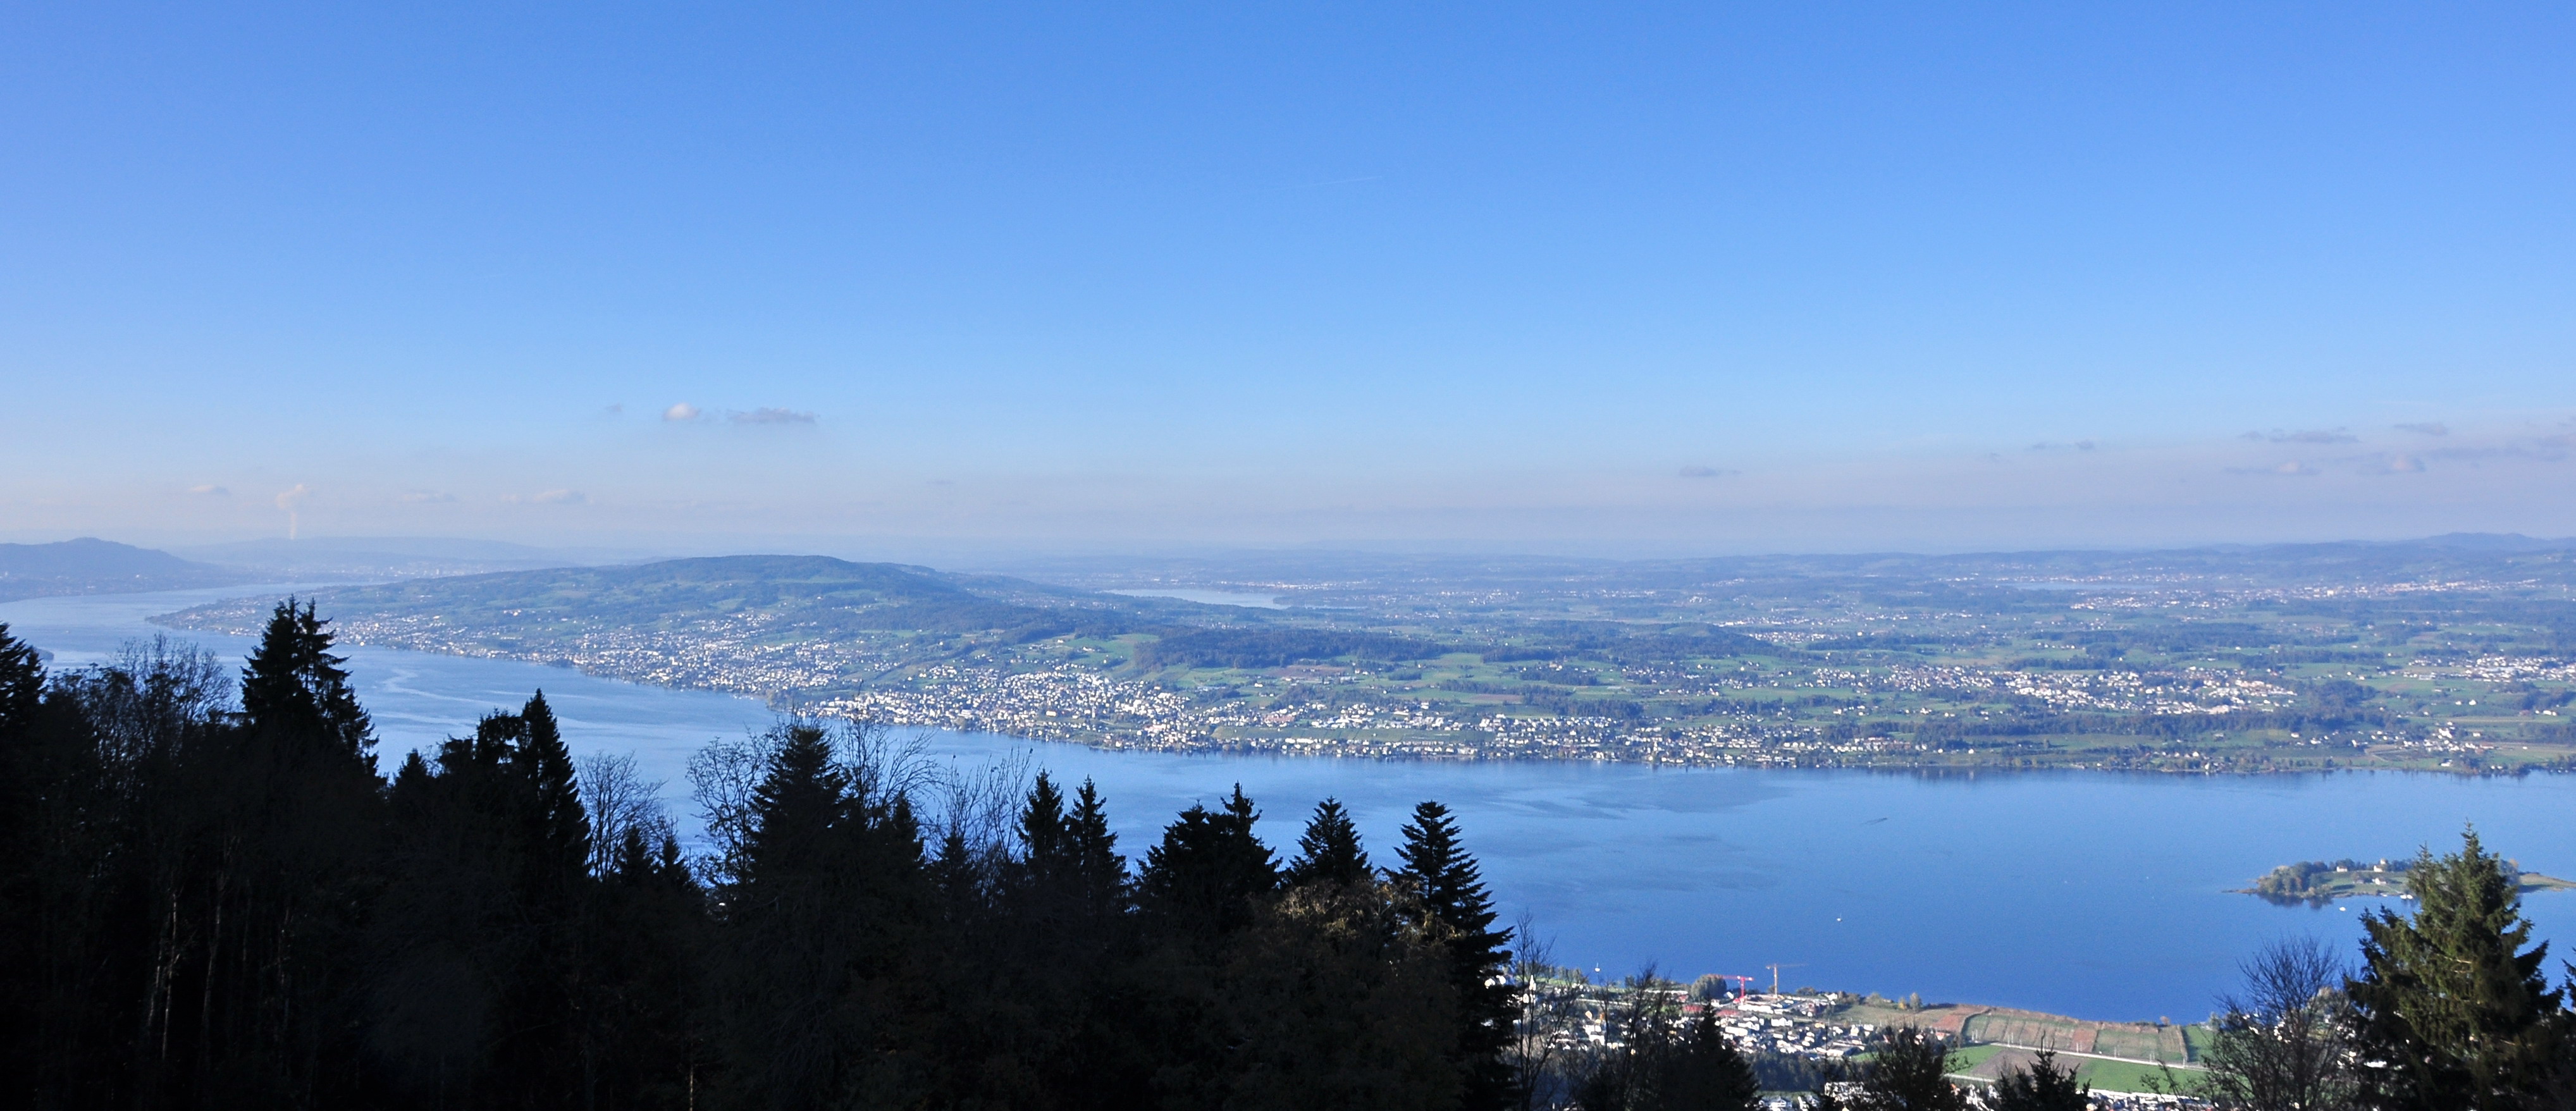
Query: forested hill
[[768, 624], [2458, 653], [93, 566], [813, 594]]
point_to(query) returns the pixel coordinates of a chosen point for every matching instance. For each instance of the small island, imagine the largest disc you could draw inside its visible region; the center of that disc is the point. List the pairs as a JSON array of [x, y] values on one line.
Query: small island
[[2318, 882]]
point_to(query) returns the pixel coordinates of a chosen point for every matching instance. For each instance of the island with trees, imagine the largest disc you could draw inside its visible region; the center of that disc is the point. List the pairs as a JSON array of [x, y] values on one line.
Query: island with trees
[[2318, 882]]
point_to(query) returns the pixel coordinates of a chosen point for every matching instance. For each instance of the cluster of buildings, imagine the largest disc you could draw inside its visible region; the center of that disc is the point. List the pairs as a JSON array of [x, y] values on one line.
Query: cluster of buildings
[[879, 676]]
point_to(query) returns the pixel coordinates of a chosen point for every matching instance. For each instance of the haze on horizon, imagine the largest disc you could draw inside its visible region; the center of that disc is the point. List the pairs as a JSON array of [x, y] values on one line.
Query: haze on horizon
[[1661, 279]]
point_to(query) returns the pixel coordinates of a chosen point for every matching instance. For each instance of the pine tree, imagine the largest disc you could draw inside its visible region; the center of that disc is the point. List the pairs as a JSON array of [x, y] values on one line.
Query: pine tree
[[1329, 851], [2453, 1011], [1440, 875]]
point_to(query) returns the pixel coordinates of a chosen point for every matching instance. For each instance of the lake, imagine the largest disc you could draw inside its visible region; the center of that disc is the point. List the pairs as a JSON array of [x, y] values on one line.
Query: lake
[[2093, 894]]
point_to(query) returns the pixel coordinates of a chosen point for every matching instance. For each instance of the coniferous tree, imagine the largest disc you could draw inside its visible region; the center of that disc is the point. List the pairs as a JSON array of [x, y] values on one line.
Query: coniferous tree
[[31, 786], [2045, 1085], [219, 910], [1329, 851], [1200, 882], [1444, 880], [2452, 1011], [650, 1007], [1095, 852], [1910, 1072], [1704, 1070], [825, 917], [22, 684], [1045, 838], [294, 682], [552, 1060], [286, 808], [559, 829], [1337, 995], [484, 922]]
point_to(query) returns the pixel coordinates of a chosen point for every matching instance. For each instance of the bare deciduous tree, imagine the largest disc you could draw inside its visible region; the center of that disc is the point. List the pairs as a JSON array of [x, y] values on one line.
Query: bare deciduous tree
[[2284, 1043], [618, 798]]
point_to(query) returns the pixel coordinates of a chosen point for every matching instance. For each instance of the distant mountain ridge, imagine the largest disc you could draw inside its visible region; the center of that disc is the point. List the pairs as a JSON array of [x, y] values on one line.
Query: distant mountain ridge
[[371, 558], [90, 565], [825, 595]]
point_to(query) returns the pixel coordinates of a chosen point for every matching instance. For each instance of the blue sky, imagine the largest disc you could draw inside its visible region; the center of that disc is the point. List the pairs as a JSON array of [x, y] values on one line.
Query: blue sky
[[1635, 278]]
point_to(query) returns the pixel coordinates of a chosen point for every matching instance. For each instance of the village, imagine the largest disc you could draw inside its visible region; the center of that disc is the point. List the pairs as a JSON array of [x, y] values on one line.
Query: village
[[1808, 1034]]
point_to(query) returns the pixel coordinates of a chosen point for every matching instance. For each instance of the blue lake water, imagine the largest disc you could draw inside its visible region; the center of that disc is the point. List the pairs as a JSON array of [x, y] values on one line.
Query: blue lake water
[[2091, 894]]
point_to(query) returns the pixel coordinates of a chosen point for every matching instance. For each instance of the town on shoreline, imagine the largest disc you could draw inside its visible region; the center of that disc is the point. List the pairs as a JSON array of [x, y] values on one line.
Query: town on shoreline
[[2421, 658]]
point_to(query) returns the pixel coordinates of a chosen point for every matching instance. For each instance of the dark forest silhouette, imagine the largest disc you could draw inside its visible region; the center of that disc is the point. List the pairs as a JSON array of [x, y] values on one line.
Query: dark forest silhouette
[[214, 903], [219, 907]]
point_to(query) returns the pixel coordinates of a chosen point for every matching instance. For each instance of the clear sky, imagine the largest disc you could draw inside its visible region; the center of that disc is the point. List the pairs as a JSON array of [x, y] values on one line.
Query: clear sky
[[1620, 277]]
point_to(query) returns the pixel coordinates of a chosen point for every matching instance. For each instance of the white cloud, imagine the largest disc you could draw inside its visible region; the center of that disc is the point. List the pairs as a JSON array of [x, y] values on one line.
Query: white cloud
[[681, 411], [210, 490], [771, 415], [289, 499]]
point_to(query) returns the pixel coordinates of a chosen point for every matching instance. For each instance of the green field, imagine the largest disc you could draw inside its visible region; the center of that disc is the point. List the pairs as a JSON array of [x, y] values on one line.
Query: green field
[[2297, 658]]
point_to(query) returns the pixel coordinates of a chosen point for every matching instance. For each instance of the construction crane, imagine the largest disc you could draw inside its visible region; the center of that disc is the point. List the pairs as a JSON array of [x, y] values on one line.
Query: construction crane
[[1743, 984], [1775, 974]]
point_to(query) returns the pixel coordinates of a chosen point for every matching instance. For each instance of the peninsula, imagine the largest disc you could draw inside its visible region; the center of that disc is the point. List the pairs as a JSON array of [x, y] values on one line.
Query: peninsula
[[2455, 654]]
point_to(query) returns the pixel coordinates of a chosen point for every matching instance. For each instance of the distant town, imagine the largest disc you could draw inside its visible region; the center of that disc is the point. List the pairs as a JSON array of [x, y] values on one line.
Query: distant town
[[2384, 656], [1797, 1036]]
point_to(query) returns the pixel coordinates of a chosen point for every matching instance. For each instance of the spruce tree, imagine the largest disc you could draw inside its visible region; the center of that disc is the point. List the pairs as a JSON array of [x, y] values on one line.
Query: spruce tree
[[558, 830], [802, 797], [1910, 1072], [1440, 875], [2453, 1011], [27, 779], [826, 923], [22, 683], [2044, 1085], [1095, 850], [1704, 1071], [294, 682], [289, 805], [1045, 838], [1329, 851], [1200, 882]]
